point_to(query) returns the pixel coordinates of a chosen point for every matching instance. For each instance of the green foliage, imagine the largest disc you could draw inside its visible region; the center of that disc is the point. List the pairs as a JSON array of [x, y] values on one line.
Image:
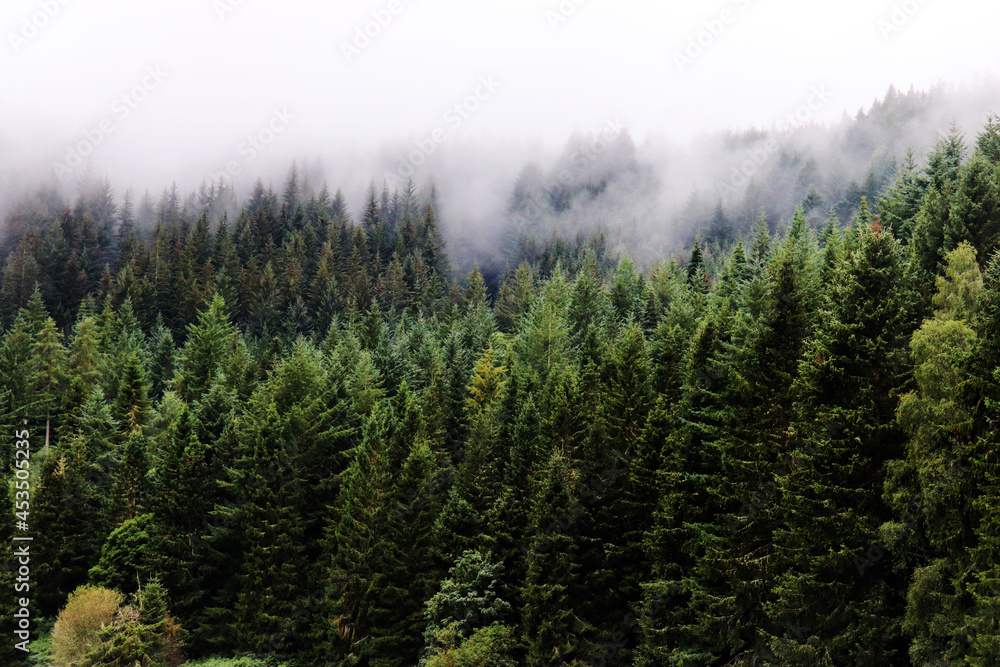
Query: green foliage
[[131, 554], [141, 633], [237, 662], [211, 353], [776, 446], [490, 646], [467, 600], [831, 502]]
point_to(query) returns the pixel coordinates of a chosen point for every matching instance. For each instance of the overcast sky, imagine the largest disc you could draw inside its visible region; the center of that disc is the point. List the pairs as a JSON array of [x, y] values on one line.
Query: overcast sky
[[202, 76]]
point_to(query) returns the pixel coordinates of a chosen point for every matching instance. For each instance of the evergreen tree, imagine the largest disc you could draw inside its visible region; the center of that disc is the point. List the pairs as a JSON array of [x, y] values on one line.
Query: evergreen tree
[[554, 633], [975, 209], [829, 605], [515, 299], [212, 351], [929, 489], [355, 533], [66, 504], [902, 203]]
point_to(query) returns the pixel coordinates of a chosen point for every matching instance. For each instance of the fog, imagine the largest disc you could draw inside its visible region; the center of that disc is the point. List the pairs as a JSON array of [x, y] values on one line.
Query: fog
[[465, 94]]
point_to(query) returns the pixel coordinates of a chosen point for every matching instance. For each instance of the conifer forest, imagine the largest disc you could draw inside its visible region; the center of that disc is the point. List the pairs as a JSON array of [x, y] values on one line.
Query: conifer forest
[[542, 333], [299, 435]]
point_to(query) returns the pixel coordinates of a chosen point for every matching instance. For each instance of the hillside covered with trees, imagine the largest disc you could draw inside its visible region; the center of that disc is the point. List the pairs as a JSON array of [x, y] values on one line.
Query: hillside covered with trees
[[277, 429]]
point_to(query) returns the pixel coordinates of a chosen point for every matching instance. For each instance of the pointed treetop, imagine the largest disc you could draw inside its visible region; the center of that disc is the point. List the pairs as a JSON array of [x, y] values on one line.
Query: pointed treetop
[[988, 141], [959, 289], [760, 249]]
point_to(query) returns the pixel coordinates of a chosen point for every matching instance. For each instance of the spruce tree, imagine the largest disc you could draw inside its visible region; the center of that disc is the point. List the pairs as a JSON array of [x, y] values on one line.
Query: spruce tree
[[211, 351], [66, 510], [832, 601], [554, 633], [975, 209]]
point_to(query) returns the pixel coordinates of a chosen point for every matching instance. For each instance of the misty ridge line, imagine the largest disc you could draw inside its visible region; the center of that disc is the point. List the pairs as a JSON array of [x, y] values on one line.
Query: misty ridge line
[[649, 199], [345, 27], [757, 157], [582, 158]]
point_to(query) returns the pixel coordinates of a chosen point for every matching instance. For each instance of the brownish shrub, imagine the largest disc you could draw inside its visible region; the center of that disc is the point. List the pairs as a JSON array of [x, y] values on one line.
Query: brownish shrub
[[88, 609]]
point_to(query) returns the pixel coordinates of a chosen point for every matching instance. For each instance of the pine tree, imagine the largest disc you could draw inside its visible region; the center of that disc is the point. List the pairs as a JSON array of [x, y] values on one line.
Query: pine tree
[[829, 605], [8, 651], [988, 141], [900, 205], [945, 159], [929, 231], [66, 505], [554, 633], [354, 535], [515, 299], [431, 243], [181, 499], [688, 522], [48, 372], [979, 396], [720, 229], [737, 272], [131, 486], [162, 361], [486, 384], [757, 412], [212, 350], [132, 400], [516, 418], [975, 209], [21, 275], [85, 353], [697, 277], [407, 572], [626, 294], [291, 446], [619, 510]]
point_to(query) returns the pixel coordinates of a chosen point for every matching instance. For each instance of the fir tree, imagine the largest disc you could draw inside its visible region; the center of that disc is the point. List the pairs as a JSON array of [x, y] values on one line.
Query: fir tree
[[830, 499]]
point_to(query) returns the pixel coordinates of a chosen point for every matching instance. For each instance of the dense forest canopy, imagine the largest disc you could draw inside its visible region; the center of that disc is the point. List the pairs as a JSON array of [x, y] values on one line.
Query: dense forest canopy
[[278, 427], [499, 204]]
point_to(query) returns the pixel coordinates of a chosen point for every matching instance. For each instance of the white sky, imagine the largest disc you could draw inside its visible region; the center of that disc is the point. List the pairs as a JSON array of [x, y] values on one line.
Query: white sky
[[608, 59]]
